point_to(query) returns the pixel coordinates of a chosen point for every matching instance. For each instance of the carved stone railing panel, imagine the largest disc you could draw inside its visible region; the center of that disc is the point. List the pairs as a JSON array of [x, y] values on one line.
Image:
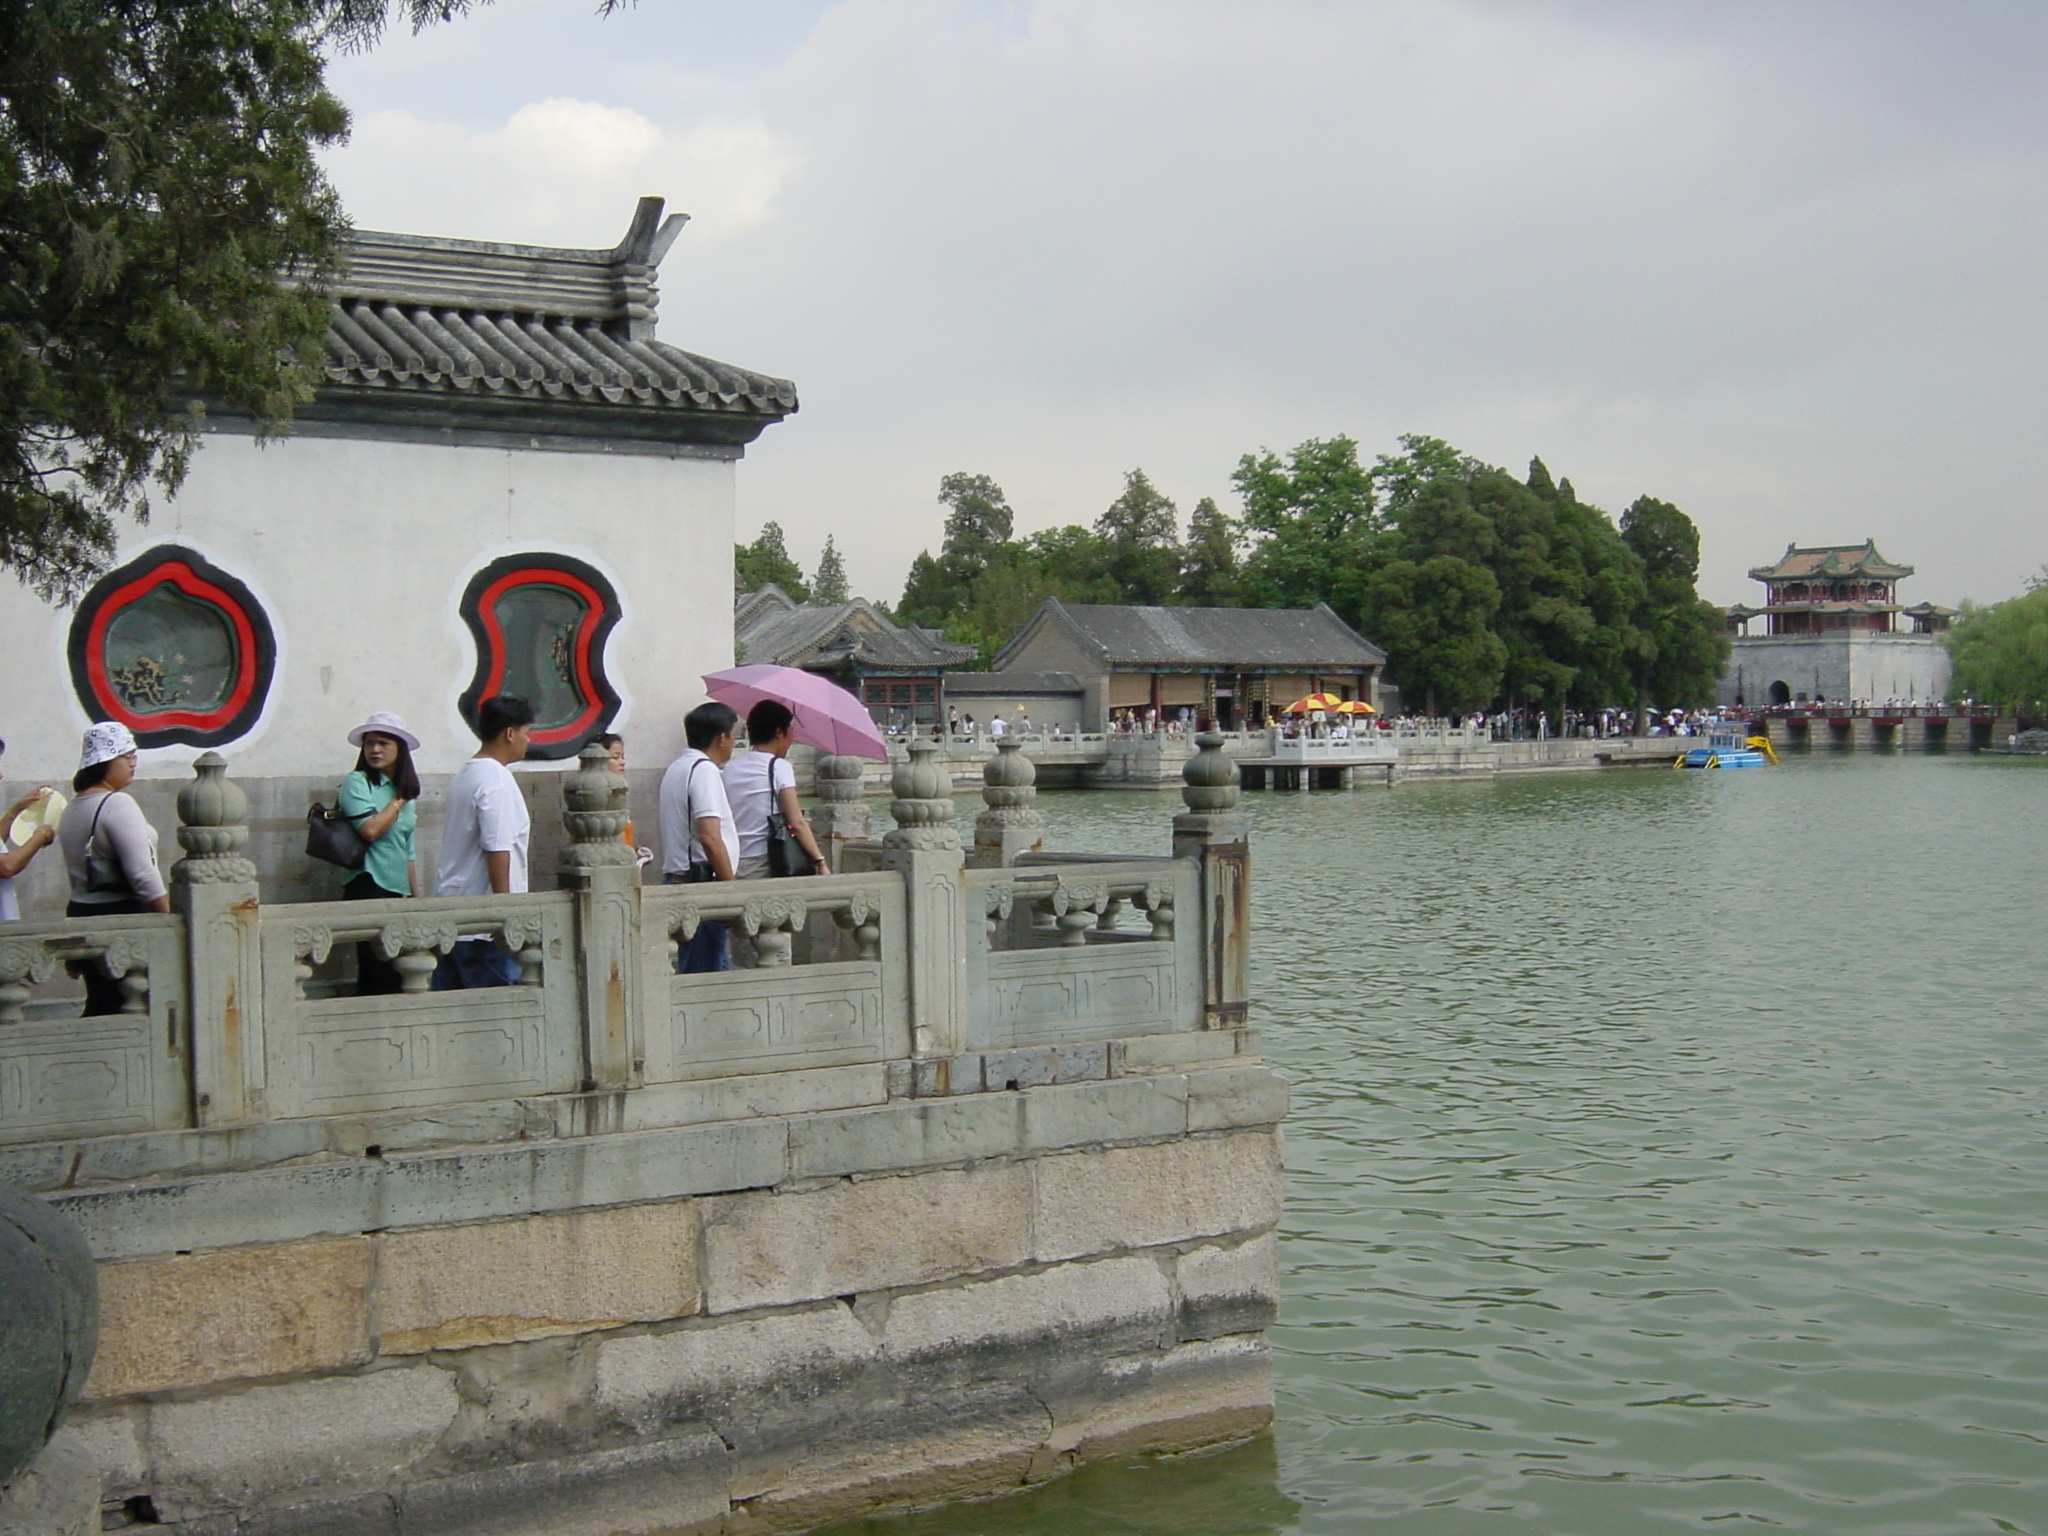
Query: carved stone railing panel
[[1088, 977], [119, 1073], [355, 1054], [841, 1001]]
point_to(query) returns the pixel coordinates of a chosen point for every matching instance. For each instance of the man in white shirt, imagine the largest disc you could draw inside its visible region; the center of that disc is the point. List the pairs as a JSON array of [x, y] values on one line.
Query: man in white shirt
[[698, 838], [484, 839]]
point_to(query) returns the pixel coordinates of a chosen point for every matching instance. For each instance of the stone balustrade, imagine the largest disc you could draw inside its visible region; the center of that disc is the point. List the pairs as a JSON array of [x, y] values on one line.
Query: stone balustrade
[[242, 1012]]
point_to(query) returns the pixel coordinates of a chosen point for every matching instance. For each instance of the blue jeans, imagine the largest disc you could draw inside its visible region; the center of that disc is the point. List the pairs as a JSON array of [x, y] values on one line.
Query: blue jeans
[[704, 951], [475, 963]]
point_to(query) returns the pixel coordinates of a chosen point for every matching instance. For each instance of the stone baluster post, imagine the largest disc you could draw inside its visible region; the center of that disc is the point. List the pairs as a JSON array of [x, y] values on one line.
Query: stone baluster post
[[840, 814], [1011, 825], [214, 889], [925, 847], [1212, 831], [599, 868]]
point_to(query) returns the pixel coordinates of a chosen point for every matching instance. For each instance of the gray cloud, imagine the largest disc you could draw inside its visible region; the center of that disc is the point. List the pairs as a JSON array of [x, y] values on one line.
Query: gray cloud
[[1776, 264]]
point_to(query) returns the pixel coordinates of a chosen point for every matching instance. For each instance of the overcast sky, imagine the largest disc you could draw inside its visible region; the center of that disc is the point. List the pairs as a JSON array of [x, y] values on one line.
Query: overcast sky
[[1780, 263]]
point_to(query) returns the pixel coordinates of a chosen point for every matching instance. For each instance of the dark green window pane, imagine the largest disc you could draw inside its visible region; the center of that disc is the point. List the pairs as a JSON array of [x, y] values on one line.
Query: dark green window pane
[[168, 651], [539, 621]]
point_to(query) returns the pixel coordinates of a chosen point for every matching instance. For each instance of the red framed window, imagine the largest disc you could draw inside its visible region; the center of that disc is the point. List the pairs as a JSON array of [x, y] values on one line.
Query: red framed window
[[174, 648], [540, 622]]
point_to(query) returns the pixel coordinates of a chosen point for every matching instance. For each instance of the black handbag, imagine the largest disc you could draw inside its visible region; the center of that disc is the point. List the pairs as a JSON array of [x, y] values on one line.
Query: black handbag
[[786, 855], [333, 838]]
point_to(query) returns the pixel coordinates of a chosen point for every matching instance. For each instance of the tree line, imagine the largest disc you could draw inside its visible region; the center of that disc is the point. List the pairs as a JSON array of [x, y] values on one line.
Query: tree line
[[1486, 590], [2000, 652]]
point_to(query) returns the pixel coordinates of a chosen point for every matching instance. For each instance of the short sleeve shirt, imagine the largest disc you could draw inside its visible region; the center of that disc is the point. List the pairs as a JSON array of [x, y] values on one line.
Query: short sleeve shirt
[[752, 781], [692, 789], [486, 814], [386, 859]]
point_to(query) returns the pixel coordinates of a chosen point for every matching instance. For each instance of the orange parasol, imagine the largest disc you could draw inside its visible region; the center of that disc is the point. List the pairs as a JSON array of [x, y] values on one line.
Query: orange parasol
[[1329, 703]]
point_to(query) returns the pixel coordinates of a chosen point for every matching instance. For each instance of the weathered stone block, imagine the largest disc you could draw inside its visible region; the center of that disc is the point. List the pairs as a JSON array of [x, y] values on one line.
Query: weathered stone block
[[763, 1250], [1169, 1053], [649, 1380], [1224, 1098], [56, 1494], [1138, 1197], [1212, 1393], [112, 1436], [1082, 1061], [943, 1076], [674, 1485], [1126, 1109], [916, 1133], [1228, 1289], [1008, 1070], [190, 1319], [1052, 1305], [501, 1281], [338, 1435], [755, 1096]]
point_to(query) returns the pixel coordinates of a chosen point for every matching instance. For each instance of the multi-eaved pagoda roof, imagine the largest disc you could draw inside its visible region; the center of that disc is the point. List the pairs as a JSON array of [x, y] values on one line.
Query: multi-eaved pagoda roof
[[1832, 562], [448, 337]]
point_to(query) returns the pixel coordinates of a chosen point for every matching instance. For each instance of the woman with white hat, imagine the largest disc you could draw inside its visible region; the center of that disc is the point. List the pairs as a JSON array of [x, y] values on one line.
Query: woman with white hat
[[379, 799], [109, 848]]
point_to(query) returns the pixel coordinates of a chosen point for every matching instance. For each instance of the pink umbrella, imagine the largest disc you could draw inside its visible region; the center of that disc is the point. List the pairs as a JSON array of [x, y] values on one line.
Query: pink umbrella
[[827, 716]]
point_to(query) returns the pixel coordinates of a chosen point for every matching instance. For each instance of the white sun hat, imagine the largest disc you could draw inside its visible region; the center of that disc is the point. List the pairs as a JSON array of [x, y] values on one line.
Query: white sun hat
[[104, 742], [384, 723]]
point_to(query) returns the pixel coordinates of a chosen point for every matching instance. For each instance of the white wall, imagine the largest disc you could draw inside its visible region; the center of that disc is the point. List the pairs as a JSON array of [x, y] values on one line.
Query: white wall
[[359, 550], [1841, 667]]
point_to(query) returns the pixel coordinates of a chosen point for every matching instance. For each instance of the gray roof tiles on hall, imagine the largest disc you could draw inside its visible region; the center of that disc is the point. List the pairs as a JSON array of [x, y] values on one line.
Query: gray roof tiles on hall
[[1307, 639], [788, 635]]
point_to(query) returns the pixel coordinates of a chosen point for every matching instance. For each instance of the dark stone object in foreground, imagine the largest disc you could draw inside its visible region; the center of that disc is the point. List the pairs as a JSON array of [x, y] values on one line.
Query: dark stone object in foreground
[[49, 1324]]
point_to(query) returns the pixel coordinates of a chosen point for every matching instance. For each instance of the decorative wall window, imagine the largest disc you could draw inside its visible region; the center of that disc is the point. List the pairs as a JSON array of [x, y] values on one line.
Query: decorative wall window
[[541, 622], [175, 649]]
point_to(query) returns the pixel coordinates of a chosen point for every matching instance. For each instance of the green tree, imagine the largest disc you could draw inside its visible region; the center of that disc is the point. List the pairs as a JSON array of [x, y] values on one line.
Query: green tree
[[1686, 642], [159, 176], [978, 525], [1313, 515], [2000, 652], [766, 560], [829, 585], [1434, 619], [1140, 543], [1209, 566]]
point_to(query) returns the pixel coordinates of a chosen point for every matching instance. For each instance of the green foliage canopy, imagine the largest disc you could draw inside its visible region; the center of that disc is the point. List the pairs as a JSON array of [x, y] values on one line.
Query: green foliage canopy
[[2000, 652], [766, 560]]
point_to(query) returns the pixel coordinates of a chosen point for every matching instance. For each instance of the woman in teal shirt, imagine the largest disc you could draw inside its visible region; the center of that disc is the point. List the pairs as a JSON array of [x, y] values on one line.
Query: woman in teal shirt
[[379, 800]]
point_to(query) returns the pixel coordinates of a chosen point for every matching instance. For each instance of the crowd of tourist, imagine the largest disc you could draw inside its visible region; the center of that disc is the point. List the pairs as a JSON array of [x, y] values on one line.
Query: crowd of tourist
[[725, 814]]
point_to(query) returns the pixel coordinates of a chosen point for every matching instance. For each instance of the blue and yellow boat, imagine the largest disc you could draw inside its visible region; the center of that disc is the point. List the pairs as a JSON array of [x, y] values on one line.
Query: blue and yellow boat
[[1729, 745]]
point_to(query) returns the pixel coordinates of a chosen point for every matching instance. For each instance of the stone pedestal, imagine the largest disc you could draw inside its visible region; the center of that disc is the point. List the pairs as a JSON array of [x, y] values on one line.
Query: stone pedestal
[[1011, 825], [840, 815], [599, 867], [1212, 831], [926, 846], [214, 889]]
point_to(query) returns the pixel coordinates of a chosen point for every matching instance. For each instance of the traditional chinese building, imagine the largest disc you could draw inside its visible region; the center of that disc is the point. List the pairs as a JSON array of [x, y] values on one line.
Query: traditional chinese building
[[897, 670], [505, 483], [1833, 632], [1237, 666]]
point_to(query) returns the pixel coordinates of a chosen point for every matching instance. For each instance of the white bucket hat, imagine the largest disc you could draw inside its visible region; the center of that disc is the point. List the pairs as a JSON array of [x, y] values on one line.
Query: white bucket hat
[[104, 742], [384, 723]]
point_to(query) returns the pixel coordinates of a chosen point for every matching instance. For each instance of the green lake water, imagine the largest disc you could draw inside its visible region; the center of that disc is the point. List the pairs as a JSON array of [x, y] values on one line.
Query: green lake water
[[1669, 1152]]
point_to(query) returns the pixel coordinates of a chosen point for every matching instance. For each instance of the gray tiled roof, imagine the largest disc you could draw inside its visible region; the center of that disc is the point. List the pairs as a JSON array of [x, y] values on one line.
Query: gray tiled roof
[[465, 319], [814, 635], [1305, 639]]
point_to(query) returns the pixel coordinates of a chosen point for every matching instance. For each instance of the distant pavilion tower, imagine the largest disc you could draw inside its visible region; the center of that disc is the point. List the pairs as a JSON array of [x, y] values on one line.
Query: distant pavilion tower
[[1833, 632]]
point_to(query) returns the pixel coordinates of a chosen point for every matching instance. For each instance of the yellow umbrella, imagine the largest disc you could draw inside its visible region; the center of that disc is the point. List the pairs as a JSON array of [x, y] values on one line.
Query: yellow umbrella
[[1327, 702], [1356, 707]]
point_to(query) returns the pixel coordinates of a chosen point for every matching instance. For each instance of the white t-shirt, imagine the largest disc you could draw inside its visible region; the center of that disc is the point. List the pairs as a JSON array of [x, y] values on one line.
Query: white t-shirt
[[690, 792], [751, 780], [486, 814], [10, 907]]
